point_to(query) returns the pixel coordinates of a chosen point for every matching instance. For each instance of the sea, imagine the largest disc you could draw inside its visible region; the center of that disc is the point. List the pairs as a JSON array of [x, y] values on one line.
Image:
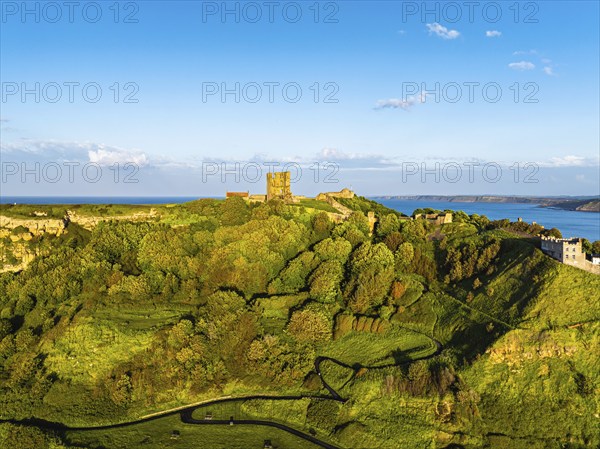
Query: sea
[[570, 223]]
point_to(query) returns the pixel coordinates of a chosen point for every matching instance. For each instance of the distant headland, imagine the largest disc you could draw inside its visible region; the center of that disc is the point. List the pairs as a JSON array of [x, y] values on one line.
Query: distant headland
[[580, 203]]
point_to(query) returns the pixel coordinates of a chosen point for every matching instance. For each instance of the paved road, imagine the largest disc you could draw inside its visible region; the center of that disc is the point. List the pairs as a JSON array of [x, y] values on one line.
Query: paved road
[[187, 418]]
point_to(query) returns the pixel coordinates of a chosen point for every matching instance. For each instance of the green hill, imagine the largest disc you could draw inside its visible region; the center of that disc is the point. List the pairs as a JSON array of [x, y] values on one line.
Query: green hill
[[460, 335]]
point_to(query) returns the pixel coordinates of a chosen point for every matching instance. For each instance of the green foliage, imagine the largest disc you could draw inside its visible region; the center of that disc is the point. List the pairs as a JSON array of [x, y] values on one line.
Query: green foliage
[[333, 249], [360, 221], [471, 258], [404, 256], [589, 247], [365, 205], [323, 413], [325, 281], [5, 328], [238, 299], [387, 224], [521, 227], [294, 276], [393, 240], [27, 437], [371, 274], [234, 211], [309, 326]]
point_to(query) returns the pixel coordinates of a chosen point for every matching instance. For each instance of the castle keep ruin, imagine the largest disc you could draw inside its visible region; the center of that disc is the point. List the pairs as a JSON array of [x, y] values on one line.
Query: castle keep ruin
[[279, 186]]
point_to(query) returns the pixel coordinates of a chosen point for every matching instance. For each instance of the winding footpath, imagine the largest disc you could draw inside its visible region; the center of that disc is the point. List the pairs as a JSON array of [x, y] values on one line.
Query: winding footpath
[[186, 412]]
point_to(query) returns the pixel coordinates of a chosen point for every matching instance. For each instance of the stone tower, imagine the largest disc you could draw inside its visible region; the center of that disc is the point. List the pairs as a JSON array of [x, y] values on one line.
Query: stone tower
[[278, 186]]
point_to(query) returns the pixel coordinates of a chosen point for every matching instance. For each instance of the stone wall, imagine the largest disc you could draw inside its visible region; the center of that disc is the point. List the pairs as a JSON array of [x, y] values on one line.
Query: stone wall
[[589, 266], [344, 193]]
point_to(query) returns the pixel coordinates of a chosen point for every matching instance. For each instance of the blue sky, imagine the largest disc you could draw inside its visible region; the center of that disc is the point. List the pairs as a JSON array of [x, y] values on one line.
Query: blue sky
[[364, 55]]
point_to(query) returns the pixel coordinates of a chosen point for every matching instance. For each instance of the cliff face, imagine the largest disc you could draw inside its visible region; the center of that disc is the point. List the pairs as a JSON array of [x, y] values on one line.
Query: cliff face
[[15, 250], [592, 206], [36, 226], [89, 222]]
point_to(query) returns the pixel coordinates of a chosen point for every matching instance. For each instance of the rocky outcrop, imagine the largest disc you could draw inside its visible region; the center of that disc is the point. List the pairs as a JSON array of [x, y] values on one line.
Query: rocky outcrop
[[89, 222], [513, 352], [36, 226], [17, 247]]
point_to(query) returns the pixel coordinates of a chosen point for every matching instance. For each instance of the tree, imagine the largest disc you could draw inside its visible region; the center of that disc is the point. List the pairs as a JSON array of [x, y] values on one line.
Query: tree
[[322, 225], [404, 256], [234, 211], [309, 326], [5, 328], [293, 277], [398, 290], [371, 274], [325, 281], [387, 224], [553, 232], [393, 240], [359, 220], [333, 249], [414, 230], [27, 437]]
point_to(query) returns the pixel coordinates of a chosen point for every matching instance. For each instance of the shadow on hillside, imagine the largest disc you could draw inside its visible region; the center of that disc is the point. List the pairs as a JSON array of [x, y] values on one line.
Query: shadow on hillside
[[521, 271]]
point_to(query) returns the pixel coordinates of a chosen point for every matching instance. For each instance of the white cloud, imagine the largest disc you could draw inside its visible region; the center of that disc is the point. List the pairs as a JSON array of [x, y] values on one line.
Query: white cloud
[[397, 103], [522, 65], [83, 152], [111, 157], [525, 52], [493, 33], [401, 32], [549, 71], [442, 31], [570, 161]]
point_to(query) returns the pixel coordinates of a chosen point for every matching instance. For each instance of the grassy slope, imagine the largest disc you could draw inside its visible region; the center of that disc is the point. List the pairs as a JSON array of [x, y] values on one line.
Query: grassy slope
[[541, 383]]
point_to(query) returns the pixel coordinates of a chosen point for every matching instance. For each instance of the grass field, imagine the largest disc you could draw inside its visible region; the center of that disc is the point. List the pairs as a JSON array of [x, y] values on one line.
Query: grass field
[[157, 434], [370, 349]]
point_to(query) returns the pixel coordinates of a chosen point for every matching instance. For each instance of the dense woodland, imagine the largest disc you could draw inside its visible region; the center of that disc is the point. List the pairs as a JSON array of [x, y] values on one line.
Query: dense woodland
[[219, 298]]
